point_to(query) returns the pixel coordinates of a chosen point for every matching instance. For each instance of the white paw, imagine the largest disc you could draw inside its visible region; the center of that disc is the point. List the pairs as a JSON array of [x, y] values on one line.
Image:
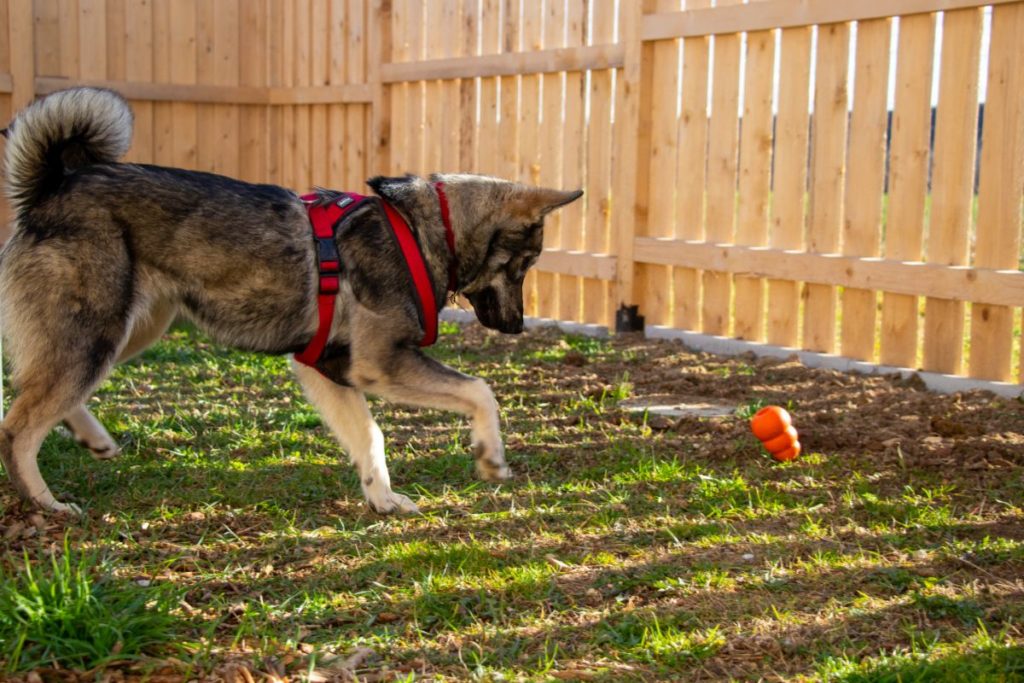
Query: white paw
[[387, 501], [58, 507], [490, 463]]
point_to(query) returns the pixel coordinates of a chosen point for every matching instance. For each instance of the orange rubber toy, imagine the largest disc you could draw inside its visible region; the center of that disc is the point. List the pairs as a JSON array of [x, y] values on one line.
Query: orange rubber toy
[[773, 426]]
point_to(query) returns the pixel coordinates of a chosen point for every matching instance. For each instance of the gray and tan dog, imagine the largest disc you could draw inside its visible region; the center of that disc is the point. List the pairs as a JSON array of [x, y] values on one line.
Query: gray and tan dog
[[104, 255]]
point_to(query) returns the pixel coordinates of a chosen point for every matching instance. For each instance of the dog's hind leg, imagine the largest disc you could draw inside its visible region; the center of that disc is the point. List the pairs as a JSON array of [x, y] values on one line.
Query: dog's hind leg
[[345, 411], [147, 329]]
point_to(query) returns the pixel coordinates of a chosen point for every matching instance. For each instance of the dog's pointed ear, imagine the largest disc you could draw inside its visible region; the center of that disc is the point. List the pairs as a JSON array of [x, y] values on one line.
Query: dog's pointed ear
[[540, 201]]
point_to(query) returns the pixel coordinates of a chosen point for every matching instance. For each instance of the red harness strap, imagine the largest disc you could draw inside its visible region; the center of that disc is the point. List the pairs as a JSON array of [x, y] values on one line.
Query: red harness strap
[[324, 218]]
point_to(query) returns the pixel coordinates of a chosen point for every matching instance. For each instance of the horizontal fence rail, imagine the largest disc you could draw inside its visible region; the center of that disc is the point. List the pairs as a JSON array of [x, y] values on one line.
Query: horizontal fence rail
[[777, 171]]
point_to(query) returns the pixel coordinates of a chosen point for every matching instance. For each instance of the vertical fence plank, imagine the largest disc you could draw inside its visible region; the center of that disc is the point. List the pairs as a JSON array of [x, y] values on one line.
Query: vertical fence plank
[[433, 104], [116, 39], [46, 39], [490, 43], [572, 216], [183, 59], [952, 191], [469, 89], [451, 42], [908, 181], [862, 226], [722, 166], [70, 57], [302, 166], [379, 51], [691, 173], [551, 143], [755, 177], [138, 51], [354, 172], [92, 39], [1001, 180], [790, 179], [340, 38], [253, 132], [399, 147], [508, 125], [414, 32], [599, 163], [653, 282], [828, 170], [319, 142], [276, 70], [633, 148], [531, 155]]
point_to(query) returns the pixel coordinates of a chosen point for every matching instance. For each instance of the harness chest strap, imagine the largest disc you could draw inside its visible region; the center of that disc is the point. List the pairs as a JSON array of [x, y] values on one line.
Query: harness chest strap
[[325, 218]]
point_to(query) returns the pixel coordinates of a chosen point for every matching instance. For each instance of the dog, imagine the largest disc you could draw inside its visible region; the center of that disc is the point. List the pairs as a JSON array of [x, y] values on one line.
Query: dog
[[105, 255]]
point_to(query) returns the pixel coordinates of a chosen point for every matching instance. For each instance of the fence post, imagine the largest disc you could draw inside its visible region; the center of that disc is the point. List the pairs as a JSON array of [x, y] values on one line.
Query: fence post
[[22, 34], [634, 152], [379, 53]]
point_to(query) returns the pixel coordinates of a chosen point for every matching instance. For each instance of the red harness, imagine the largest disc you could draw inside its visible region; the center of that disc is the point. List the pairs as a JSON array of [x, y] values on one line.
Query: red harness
[[324, 218]]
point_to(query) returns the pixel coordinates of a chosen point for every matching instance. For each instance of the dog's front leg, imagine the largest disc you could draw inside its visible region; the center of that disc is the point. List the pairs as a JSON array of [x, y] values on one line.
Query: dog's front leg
[[345, 411], [407, 376]]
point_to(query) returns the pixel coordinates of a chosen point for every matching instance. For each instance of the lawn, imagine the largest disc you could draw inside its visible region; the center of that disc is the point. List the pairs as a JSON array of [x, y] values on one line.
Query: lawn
[[230, 539]]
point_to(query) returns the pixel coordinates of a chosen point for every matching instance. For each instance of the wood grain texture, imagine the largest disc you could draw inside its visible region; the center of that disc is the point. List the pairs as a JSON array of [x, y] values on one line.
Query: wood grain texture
[[828, 171], [952, 192], [723, 149], [1001, 180], [691, 172], [573, 141], [654, 284], [790, 181], [755, 178], [862, 225], [908, 181], [552, 92], [599, 165]]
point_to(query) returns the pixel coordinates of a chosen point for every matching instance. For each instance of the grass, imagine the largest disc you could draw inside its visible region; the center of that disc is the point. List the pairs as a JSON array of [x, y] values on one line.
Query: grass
[[70, 611], [231, 530]]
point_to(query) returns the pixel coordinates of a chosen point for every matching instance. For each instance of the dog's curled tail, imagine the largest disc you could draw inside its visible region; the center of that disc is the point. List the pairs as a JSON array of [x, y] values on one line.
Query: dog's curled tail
[[60, 133]]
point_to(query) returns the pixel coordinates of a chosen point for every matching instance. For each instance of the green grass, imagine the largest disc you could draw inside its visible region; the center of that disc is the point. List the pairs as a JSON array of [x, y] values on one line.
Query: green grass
[[232, 530], [71, 611]]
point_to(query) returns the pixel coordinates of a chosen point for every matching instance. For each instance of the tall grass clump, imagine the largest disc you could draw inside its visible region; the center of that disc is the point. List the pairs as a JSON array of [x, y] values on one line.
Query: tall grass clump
[[73, 612]]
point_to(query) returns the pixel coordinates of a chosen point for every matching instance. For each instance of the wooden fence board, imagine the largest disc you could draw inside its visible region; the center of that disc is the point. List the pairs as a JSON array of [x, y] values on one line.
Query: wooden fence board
[[531, 155], [354, 172], [572, 216], [722, 167], [653, 282], [551, 144], [1001, 179], [790, 180], [599, 164], [827, 178], [432, 130], [952, 192], [490, 43], [862, 228], [691, 172], [138, 66], [755, 177], [908, 179]]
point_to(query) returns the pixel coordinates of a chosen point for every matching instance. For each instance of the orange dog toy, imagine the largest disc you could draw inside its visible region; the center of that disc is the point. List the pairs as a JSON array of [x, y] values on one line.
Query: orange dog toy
[[773, 426]]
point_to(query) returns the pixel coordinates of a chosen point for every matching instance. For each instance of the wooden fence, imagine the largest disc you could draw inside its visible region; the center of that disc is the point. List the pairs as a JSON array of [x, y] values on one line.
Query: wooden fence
[[720, 199]]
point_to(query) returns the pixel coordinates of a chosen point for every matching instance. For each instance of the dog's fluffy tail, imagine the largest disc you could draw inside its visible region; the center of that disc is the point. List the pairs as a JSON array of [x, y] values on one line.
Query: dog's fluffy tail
[[60, 133]]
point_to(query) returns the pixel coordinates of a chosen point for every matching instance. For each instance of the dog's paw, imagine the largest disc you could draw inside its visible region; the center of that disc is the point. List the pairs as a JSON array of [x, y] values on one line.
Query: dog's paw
[[490, 463], [388, 502], [60, 508], [103, 451]]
